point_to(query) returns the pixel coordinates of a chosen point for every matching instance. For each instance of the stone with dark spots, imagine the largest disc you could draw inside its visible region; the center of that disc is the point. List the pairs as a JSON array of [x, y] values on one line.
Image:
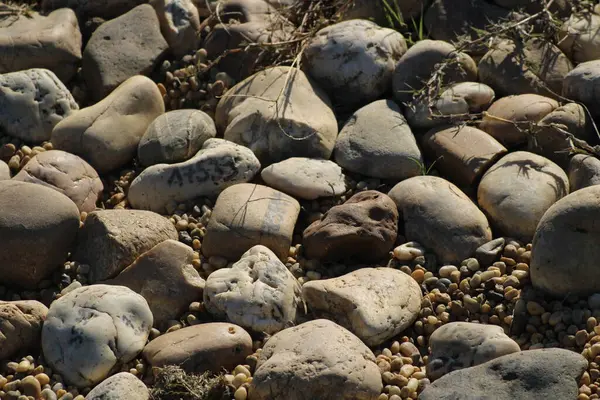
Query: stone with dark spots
[[545, 374], [364, 228]]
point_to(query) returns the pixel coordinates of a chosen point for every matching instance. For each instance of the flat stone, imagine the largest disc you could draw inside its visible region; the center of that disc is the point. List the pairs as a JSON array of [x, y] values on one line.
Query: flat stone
[[458, 345], [364, 228], [246, 215], [52, 42], [306, 178], [121, 48], [462, 153], [21, 326], [545, 373], [199, 348], [253, 113], [165, 277], [375, 304], [175, 136], [32, 102], [568, 228], [108, 324], [377, 141], [583, 171], [418, 63], [517, 190], [354, 60], [218, 165], [111, 240], [258, 292], [120, 386], [180, 25], [439, 216], [315, 360], [108, 133], [38, 227], [490, 252], [66, 173], [509, 119]]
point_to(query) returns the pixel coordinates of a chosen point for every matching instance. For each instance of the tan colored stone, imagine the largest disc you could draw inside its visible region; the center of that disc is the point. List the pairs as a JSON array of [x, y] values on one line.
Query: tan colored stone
[[439, 216], [536, 66], [578, 37], [582, 84], [583, 171], [107, 134], [565, 254], [246, 215], [277, 124], [375, 304], [523, 110], [364, 228], [52, 42], [206, 347], [66, 173], [38, 227], [110, 240], [4, 171], [179, 24], [20, 326], [459, 345], [462, 153], [517, 190], [165, 277], [316, 360]]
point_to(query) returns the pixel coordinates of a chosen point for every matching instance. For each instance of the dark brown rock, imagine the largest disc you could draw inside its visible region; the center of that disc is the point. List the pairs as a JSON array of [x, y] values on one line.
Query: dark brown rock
[[363, 228]]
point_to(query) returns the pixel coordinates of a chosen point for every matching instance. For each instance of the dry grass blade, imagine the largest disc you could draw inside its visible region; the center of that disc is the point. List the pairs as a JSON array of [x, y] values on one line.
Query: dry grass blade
[[173, 383]]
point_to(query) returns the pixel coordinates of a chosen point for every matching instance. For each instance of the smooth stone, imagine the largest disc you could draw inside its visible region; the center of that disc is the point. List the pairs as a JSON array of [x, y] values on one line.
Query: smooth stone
[[218, 165], [21, 326], [31, 387], [258, 292], [276, 126], [419, 62], [121, 48], [120, 386], [4, 171], [545, 373], [32, 102], [550, 138], [92, 330], [462, 153], [509, 119], [315, 360], [458, 345], [165, 277], [517, 190], [110, 240], [107, 134], [580, 85], [246, 215], [180, 25], [354, 60], [583, 171], [533, 67], [567, 229], [52, 42], [199, 348], [175, 136], [38, 227], [456, 101], [439, 216], [364, 228], [106, 9], [488, 253], [306, 178], [67, 174], [578, 37], [377, 141], [375, 304]]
